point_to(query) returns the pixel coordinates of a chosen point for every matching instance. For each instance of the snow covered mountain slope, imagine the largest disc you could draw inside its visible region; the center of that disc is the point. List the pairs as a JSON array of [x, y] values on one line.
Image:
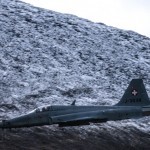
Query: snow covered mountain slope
[[52, 58]]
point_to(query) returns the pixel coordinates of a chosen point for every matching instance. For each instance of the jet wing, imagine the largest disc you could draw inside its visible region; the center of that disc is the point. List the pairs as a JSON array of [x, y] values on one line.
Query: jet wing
[[80, 118]]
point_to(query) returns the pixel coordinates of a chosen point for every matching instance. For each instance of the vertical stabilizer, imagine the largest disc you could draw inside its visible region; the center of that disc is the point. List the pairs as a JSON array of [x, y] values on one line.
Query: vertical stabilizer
[[135, 95]]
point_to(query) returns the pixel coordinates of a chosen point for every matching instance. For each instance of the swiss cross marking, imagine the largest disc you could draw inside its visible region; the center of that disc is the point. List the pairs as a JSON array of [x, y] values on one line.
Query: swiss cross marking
[[134, 92]]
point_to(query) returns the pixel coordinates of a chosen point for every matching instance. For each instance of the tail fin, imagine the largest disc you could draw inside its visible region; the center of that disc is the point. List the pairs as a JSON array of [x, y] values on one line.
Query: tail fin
[[135, 95]]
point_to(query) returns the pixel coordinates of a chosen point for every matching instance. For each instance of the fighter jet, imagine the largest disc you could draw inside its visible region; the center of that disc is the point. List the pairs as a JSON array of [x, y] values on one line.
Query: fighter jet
[[135, 103]]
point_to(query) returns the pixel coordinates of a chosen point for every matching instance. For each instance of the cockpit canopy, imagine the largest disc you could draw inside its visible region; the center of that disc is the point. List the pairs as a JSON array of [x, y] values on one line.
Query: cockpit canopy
[[48, 108], [43, 109]]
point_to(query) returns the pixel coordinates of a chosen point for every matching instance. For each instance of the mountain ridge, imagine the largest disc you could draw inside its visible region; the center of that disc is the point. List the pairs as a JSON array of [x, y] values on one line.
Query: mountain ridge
[[52, 58]]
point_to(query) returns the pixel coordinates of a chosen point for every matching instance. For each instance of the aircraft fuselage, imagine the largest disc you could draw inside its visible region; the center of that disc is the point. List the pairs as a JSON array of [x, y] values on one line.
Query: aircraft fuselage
[[75, 115]]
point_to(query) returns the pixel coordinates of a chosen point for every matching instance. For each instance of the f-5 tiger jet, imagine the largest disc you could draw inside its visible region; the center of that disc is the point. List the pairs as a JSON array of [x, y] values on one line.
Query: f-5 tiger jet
[[134, 103]]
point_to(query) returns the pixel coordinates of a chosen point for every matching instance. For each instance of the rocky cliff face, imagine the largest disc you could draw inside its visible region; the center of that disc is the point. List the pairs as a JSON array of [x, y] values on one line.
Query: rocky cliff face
[[52, 58]]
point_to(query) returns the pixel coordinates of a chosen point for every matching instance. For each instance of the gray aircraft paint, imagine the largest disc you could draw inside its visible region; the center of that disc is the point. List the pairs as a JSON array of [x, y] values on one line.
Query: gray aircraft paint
[[134, 104]]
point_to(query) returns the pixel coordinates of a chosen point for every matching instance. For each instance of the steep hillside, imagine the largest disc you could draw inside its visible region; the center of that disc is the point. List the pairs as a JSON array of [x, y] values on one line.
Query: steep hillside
[[52, 58]]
